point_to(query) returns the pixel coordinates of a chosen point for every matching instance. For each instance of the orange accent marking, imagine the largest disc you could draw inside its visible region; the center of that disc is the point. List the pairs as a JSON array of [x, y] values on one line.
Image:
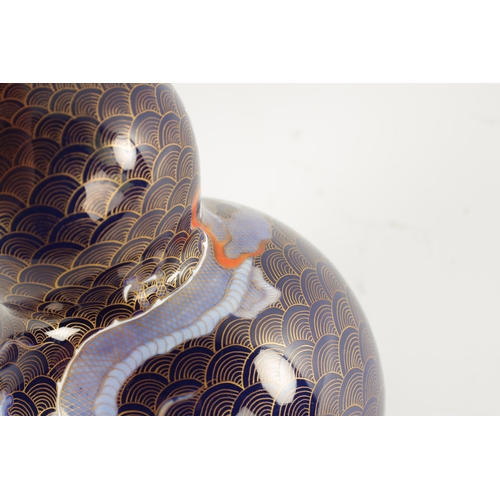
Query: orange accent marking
[[220, 256]]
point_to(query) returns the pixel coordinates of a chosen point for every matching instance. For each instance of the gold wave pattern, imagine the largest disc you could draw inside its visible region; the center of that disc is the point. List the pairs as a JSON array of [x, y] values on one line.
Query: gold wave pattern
[[96, 187], [84, 206], [318, 331]]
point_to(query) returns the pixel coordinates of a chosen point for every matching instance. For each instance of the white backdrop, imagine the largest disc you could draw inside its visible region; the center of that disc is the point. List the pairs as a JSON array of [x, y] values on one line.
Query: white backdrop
[[398, 185]]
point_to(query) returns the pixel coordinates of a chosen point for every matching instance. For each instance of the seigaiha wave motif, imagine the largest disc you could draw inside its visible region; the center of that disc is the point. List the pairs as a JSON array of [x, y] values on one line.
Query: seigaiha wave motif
[[315, 337], [122, 292]]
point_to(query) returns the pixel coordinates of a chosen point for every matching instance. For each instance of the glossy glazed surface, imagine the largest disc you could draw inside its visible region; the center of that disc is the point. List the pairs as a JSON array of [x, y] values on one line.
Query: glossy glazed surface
[[123, 292]]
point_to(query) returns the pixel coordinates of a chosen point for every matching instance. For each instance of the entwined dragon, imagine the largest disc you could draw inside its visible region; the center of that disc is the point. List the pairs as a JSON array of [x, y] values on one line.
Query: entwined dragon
[[225, 282]]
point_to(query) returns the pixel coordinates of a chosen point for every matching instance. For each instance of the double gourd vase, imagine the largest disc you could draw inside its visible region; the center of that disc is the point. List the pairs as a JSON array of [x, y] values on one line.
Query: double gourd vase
[[123, 291]]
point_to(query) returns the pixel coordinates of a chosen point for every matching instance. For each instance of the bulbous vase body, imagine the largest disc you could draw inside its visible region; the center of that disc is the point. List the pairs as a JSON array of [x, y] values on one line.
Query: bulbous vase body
[[123, 291]]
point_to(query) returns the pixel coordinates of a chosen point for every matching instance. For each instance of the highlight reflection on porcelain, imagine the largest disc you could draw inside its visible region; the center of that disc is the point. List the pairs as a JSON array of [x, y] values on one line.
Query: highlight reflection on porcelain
[[123, 292]]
